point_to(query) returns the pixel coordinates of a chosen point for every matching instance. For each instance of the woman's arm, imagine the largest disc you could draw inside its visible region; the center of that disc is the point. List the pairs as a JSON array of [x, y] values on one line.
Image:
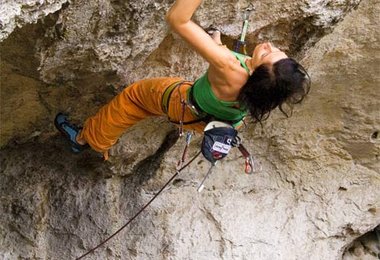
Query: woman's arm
[[179, 18]]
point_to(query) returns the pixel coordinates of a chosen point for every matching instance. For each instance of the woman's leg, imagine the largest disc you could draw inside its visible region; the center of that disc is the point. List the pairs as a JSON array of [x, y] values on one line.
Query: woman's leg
[[137, 101]]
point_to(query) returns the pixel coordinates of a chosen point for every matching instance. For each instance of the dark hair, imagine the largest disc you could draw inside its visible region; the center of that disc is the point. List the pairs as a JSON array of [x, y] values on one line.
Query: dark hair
[[285, 82]]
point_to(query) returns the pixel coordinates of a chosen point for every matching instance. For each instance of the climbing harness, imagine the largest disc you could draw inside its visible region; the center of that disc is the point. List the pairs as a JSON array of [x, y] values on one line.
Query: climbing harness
[[240, 45], [184, 103]]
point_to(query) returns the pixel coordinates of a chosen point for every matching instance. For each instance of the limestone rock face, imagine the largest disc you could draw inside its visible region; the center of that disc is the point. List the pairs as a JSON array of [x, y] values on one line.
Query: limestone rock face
[[18, 13], [120, 42], [317, 195]]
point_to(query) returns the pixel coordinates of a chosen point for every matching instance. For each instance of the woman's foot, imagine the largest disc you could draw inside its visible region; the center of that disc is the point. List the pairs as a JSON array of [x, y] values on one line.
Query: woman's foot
[[70, 131]]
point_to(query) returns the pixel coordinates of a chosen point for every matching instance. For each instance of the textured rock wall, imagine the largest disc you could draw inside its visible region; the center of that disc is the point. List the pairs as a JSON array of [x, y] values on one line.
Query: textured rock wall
[[18, 13], [117, 41], [319, 187]]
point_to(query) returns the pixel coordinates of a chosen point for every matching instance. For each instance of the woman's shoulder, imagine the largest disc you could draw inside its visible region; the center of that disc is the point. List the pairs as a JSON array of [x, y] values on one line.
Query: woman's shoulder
[[225, 59], [228, 62]]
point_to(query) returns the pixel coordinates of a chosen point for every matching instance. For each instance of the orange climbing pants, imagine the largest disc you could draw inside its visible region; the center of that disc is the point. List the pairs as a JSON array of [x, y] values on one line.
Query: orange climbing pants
[[140, 100]]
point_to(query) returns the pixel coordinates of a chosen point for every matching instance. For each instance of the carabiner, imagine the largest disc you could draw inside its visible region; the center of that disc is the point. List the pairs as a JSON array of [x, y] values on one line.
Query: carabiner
[[201, 186], [183, 105], [248, 10], [184, 154], [249, 165]]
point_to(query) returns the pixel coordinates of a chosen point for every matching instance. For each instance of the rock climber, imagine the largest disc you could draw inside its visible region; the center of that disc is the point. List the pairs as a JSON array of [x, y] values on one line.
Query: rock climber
[[233, 86]]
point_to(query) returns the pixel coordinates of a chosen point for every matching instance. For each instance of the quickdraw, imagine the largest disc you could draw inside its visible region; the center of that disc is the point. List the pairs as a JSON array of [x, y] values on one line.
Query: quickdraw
[[185, 150], [201, 185], [240, 43], [249, 162]]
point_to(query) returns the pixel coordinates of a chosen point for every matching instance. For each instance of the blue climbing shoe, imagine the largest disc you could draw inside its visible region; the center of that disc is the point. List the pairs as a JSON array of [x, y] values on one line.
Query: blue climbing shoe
[[70, 131]]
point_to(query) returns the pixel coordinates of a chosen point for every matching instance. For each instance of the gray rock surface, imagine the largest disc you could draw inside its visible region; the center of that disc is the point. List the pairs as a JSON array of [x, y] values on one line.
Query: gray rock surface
[[319, 187], [17, 13]]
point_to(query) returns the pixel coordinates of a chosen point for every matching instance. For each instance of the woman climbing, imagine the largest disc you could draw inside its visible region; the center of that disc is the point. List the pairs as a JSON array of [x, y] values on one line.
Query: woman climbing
[[233, 86]]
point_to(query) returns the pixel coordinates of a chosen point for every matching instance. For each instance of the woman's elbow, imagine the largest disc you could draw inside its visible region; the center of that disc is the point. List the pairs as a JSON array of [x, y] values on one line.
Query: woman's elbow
[[173, 20], [169, 17]]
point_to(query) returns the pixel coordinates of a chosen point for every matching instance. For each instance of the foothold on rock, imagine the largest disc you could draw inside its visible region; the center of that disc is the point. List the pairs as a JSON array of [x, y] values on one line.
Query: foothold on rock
[[375, 137]]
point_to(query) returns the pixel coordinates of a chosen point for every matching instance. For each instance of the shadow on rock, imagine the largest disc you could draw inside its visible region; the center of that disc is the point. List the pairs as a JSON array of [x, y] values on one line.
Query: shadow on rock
[[147, 168], [52, 157]]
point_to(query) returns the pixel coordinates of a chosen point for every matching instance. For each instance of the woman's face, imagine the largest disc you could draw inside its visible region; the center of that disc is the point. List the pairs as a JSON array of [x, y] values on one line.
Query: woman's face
[[266, 53]]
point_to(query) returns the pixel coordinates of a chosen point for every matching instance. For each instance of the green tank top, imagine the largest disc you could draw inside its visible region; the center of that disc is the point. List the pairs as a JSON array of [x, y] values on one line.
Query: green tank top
[[209, 103]]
